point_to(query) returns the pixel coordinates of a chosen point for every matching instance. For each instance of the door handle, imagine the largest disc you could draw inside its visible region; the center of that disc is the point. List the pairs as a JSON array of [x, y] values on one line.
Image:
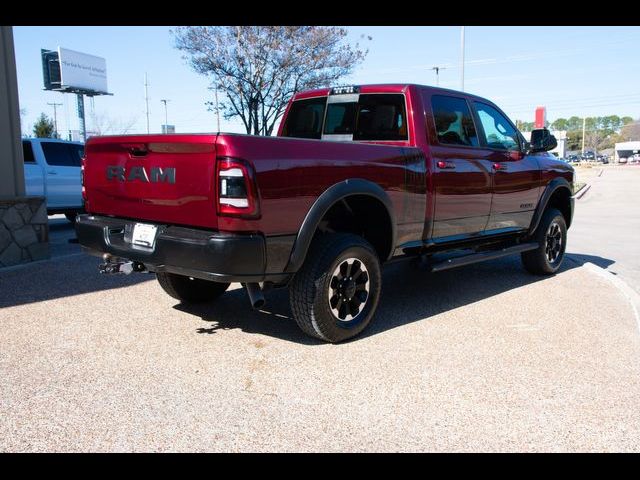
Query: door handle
[[52, 172], [446, 165], [499, 166]]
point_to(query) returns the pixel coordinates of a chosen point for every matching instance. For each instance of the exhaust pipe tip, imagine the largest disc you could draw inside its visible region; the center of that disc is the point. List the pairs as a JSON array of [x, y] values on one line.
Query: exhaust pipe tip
[[256, 296]]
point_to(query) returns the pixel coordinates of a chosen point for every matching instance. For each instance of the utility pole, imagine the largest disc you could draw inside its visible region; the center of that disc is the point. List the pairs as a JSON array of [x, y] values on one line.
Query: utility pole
[[584, 129], [55, 117], [217, 109], [462, 59], [146, 98], [437, 70], [166, 123]]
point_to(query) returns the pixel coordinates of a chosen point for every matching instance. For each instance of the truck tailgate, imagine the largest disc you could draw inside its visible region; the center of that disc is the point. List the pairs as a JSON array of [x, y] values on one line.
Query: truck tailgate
[[162, 178]]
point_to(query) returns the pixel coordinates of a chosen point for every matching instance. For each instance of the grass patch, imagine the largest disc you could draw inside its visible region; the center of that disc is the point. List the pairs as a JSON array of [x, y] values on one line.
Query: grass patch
[[577, 186]]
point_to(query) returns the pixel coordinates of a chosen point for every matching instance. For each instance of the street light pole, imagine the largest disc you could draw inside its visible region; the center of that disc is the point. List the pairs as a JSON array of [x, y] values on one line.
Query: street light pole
[[166, 122], [584, 128], [146, 98], [55, 116], [462, 59]]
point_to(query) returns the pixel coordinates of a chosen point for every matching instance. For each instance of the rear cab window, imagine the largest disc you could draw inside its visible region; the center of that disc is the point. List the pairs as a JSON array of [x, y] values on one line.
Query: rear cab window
[[358, 117], [304, 119]]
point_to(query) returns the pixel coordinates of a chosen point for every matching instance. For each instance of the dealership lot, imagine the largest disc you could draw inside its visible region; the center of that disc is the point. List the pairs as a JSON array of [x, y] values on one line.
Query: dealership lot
[[486, 357]]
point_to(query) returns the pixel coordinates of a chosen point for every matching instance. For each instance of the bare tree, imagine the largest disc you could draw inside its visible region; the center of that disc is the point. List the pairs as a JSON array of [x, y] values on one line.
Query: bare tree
[[103, 124], [631, 131], [260, 68]]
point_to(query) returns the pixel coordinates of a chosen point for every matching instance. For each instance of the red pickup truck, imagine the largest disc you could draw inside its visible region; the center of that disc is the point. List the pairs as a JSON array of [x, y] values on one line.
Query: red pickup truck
[[356, 176]]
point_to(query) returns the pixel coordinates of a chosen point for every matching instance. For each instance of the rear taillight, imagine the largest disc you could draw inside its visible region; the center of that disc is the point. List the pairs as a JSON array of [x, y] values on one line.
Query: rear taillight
[[237, 192], [84, 191]]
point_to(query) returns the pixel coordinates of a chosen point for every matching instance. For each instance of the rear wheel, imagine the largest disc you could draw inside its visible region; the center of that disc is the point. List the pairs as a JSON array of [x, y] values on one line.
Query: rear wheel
[[71, 216], [335, 293], [189, 289], [551, 236]]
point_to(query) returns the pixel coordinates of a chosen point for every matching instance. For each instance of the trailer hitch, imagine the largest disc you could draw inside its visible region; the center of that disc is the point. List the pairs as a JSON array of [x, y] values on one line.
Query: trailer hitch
[[114, 265]]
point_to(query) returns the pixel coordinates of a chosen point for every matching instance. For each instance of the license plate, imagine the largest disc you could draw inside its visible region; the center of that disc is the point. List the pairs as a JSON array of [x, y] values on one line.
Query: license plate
[[144, 235]]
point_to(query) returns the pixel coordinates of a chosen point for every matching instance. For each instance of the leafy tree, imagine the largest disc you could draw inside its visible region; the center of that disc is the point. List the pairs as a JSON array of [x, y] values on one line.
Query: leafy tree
[[259, 68], [559, 124], [43, 128]]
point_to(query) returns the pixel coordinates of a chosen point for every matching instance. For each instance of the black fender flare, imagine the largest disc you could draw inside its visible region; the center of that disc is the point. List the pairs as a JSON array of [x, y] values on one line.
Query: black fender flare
[[554, 185], [335, 193]]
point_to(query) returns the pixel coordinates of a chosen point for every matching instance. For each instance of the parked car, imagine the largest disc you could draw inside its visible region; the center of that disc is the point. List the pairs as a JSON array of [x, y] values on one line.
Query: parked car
[[356, 176], [573, 159], [634, 159], [52, 170], [588, 156]]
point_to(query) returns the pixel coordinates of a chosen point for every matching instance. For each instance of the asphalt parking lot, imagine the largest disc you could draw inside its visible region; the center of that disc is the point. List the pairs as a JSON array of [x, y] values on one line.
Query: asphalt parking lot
[[482, 358]]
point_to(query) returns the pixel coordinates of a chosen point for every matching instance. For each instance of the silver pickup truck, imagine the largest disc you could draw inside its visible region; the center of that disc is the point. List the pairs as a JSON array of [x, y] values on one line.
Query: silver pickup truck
[[52, 170]]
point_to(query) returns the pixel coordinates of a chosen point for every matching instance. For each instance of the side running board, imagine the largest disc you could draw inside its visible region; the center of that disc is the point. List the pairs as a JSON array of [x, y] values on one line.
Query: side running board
[[482, 256]]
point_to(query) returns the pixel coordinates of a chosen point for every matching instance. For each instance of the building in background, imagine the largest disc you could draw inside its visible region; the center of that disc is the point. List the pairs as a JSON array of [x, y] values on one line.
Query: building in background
[[626, 150]]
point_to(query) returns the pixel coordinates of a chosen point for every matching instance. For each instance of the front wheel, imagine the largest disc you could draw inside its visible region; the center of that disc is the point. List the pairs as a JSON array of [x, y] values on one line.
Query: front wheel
[[336, 292], [189, 289], [551, 236]]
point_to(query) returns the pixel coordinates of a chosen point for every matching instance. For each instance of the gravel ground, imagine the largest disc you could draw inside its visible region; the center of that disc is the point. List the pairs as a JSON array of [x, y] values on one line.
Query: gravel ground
[[482, 358]]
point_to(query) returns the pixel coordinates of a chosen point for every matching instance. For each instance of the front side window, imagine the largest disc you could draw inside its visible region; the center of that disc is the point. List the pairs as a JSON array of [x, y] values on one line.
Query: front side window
[[498, 131], [304, 119], [453, 121]]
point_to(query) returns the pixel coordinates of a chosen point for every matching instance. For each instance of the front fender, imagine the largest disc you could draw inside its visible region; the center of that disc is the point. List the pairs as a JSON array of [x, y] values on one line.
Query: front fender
[[550, 189]]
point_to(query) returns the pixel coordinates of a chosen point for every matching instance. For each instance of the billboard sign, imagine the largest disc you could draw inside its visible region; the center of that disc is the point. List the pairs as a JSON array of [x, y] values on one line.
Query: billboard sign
[[82, 71]]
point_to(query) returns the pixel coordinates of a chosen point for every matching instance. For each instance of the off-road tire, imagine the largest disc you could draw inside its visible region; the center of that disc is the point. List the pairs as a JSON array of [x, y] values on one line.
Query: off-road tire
[[536, 261], [310, 288], [190, 290]]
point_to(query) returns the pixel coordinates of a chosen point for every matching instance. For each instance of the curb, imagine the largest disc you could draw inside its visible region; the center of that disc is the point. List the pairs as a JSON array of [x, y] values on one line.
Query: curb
[[580, 193], [630, 294]]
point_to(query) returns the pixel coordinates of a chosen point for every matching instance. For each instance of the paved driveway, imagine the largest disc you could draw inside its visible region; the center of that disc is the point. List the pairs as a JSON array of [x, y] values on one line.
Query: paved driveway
[[606, 227], [481, 358]]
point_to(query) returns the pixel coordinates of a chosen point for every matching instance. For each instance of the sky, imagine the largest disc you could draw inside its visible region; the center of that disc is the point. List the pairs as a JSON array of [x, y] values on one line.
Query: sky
[[582, 71]]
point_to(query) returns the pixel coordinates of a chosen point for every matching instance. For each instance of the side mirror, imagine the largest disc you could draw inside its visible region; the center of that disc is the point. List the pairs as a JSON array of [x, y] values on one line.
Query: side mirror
[[542, 141]]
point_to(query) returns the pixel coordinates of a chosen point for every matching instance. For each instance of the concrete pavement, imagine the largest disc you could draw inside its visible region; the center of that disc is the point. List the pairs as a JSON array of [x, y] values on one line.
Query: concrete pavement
[[482, 358], [606, 229]]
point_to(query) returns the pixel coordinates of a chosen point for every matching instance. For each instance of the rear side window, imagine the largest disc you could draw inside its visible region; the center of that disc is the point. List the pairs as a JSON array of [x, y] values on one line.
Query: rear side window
[[453, 121], [27, 152], [62, 154], [381, 117], [304, 119], [499, 132]]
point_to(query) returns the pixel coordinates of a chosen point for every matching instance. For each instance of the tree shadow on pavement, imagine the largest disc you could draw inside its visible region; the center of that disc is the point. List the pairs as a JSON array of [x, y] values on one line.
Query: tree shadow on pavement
[[408, 295]]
